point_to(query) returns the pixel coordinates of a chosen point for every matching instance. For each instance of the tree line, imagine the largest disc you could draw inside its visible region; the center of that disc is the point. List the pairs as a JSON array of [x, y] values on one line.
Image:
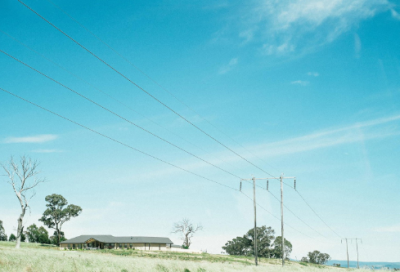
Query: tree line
[[268, 246], [23, 178], [33, 234]]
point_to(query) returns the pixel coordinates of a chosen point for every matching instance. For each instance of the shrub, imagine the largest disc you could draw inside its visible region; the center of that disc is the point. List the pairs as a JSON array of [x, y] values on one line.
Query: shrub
[[317, 257], [304, 260]]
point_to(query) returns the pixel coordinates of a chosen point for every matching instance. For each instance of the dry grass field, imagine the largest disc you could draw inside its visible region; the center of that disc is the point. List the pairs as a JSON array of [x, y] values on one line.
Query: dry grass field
[[32, 258]]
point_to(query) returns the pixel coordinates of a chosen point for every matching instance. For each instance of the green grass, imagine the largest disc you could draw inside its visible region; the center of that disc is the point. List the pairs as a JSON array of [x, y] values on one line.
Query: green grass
[[34, 257]]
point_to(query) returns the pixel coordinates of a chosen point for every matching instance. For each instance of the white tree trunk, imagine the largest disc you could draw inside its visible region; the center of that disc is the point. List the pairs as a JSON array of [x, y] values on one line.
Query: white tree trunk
[[19, 230], [18, 176]]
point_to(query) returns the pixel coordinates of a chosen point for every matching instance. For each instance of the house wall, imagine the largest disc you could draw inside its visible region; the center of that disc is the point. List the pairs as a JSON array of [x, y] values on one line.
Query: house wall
[[157, 246], [138, 246]]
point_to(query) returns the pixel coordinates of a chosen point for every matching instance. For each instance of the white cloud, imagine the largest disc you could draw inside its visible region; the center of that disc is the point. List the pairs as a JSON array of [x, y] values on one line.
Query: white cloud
[[283, 26], [395, 14], [313, 141], [32, 139], [247, 35], [225, 69], [300, 82], [314, 74], [283, 48]]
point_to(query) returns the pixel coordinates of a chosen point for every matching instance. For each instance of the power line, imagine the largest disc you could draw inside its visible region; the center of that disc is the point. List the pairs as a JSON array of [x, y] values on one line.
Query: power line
[[138, 150], [277, 218], [142, 89], [311, 208], [154, 81], [105, 93], [288, 208], [297, 216], [116, 141], [155, 99], [119, 116], [316, 213]]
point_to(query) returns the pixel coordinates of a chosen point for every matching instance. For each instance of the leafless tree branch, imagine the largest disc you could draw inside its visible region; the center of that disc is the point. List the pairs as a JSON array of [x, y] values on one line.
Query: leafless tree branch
[[25, 170], [186, 230]]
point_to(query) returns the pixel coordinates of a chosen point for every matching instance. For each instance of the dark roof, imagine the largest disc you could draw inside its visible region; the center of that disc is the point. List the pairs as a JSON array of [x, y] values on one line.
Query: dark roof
[[121, 239]]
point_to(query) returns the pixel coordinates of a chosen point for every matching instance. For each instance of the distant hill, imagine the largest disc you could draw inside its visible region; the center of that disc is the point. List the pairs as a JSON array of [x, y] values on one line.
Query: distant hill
[[363, 264]]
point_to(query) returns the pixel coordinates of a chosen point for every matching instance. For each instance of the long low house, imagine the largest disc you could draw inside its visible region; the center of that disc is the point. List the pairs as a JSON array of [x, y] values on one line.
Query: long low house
[[125, 242]]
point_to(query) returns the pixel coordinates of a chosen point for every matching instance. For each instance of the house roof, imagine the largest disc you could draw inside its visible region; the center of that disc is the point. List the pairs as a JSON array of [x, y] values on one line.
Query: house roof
[[120, 239]]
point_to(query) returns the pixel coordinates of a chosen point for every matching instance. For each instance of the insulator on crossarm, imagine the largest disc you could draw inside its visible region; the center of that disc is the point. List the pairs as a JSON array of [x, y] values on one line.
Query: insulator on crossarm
[[295, 184], [267, 185], [240, 185]]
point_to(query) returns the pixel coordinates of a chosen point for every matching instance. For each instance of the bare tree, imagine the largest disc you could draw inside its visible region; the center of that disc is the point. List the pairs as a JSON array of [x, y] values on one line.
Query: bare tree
[[23, 180], [186, 230]]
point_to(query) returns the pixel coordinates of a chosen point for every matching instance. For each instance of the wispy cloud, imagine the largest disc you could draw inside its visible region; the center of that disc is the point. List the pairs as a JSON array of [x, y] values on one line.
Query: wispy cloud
[[31, 139], [328, 138], [313, 141], [284, 26], [46, 151], [300, 82], [226, 68], [314, 74], [271, 49], [395, 14]]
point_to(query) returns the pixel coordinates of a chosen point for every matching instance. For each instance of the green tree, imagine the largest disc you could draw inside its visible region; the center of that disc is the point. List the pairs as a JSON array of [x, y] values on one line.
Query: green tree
[[238, 246], [277, 248], [54, 238], [3, 235], [245, 245], [265, 237], [57, 213], [37, 235], [32, 232], [317, 257], [304, 260], [43, 236], [12, 237]]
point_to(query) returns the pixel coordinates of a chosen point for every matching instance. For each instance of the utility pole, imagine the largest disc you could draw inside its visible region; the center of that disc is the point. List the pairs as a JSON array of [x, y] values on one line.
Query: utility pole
[[358, 265], [282, 228], [255, 222], [347, 250], [281, 178]]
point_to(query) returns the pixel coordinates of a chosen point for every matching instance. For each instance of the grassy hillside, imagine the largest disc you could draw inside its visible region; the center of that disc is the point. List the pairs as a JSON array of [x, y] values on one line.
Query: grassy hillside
[[32, 257]]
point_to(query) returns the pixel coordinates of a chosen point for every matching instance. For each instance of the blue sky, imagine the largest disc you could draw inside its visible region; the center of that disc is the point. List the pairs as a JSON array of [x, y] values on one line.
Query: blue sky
[[309, 88]]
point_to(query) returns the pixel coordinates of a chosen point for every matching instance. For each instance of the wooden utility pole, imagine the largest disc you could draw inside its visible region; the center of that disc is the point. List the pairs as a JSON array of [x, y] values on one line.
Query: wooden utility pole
[[281, 178], [255, 222], [282, 228], [347, 250], [358, 265]]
